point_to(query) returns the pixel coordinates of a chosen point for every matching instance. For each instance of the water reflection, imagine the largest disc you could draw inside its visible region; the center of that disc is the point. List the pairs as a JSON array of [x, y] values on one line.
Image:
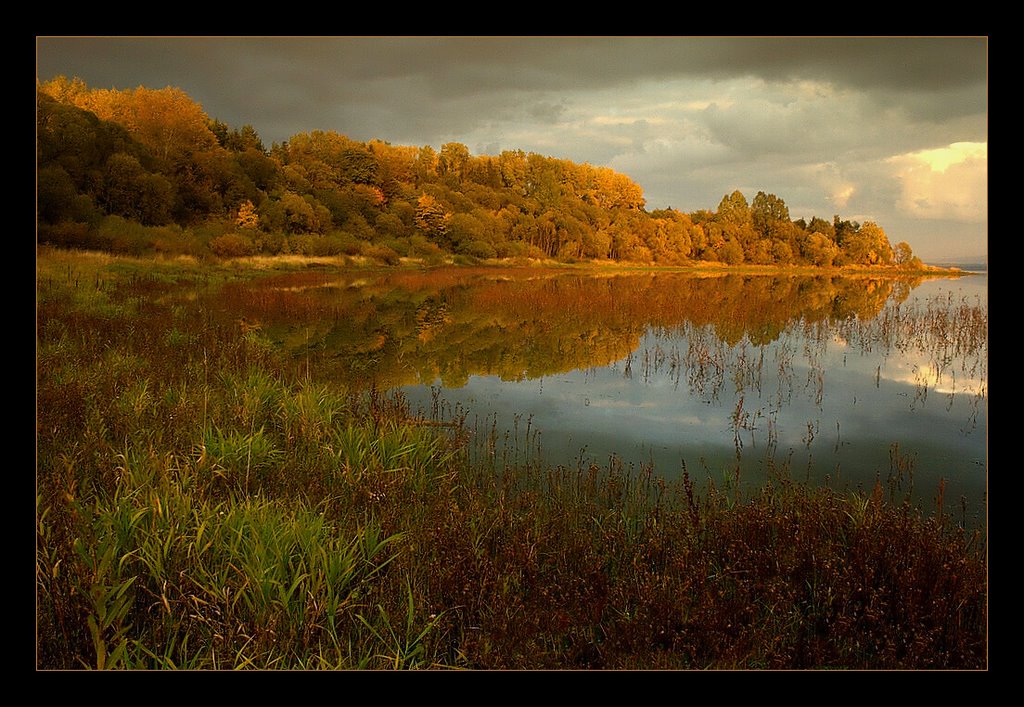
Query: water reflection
[[844, 378], [401, 328]]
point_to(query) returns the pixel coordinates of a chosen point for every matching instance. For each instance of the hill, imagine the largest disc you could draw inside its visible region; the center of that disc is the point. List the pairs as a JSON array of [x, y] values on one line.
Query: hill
[[147, 170]]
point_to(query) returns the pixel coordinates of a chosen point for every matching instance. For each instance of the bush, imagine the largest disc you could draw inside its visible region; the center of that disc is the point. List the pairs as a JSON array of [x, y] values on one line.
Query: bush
[[421, 247], [269, 243], [208, 230], [304, 244], [232, 245], [382, 252], [480, 249], [513, 249], [344, 242], [172, 240], [119, 235], [66, 234], [399, 245]]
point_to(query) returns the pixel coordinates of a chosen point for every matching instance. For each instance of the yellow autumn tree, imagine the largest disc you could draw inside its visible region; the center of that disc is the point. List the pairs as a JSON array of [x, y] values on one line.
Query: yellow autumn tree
[[869, 246], [612, 190], [247, 216], [432, 218], [166, 120], [63, 89]]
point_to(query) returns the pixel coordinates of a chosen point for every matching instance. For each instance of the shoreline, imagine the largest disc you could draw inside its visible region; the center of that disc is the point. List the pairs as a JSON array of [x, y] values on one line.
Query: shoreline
[[273, 262]]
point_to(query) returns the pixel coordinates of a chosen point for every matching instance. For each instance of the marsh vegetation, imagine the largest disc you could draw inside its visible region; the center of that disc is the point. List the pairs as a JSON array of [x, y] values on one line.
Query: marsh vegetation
[[242, 468]]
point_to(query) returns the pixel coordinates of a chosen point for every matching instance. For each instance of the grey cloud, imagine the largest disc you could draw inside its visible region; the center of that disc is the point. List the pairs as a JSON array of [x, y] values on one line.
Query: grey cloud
[[458, 65], [546, 112], [420, 75], [917, 63]]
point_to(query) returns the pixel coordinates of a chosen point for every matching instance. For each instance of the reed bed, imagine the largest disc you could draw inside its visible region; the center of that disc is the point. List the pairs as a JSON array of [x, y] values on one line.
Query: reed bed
[[205, 503]]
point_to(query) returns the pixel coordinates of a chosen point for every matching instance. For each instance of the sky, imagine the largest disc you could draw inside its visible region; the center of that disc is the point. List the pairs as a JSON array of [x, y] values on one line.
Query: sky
[[890, 130]]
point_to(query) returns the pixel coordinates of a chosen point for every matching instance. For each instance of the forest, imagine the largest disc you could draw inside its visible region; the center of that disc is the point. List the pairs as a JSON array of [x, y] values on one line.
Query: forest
[[146, 170]]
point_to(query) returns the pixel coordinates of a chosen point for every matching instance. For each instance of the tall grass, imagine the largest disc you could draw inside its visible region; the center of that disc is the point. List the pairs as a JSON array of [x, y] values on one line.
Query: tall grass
[[204, 503], [165, 578]]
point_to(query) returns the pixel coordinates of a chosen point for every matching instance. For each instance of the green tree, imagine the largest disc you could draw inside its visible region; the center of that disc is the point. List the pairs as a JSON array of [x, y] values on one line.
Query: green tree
[[357, 165], [512, 165], [733, 208], [263, 171], [825, 228], [295, 214], [395, 167], [770, 216], [453, 162], [331, 160], [843, 229], [132, 192], [388, 225], [58, 199], [80, 143], [425, 167], [243, 139]]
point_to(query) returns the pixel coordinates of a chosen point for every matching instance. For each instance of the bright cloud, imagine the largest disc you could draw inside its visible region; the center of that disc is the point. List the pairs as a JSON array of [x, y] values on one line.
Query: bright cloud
[[944, 183], [940, 160], [835, 185], [927, 376], [841, 196]]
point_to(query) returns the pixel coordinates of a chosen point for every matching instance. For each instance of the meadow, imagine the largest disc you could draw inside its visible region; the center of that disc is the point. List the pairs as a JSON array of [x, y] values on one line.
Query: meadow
[[207, 500]]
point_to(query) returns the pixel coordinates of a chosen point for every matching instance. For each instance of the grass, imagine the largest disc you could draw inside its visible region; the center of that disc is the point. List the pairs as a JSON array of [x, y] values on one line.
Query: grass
[[205, 503]]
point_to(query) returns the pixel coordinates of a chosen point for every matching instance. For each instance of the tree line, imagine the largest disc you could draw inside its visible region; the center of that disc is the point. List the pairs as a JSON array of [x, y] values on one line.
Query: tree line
[[147, 170]]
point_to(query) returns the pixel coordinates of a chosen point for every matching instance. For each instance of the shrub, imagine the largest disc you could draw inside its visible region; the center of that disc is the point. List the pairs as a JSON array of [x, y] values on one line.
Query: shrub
[[171, 240], [66, 234], [270, 243], [208, 230], [119, 235], [232, 245], [421, 247], [399, 245], [345, 243], [480, 249], [382, 252]]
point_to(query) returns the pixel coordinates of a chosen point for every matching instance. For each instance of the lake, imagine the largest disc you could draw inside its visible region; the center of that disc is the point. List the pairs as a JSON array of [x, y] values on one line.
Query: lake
[[840, 380]]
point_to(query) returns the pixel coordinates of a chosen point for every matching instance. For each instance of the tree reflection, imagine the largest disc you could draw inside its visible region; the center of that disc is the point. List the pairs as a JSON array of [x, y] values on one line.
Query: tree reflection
[[408, 327]]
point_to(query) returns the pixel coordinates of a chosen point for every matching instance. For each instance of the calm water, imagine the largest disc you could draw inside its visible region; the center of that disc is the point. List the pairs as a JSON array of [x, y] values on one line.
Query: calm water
[[838, 379]]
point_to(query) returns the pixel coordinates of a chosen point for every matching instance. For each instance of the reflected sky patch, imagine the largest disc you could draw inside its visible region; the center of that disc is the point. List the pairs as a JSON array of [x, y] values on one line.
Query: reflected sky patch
[[836, 407]]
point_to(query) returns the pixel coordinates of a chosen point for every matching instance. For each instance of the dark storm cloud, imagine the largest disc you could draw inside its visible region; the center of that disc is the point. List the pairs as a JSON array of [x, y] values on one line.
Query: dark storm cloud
[[928, 64], [896, 64], [448, 69]]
